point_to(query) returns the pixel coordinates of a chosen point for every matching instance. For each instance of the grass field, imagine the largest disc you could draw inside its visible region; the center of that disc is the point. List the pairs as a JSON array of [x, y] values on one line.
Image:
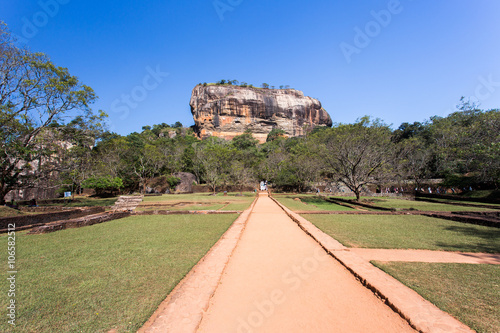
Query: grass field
[[7, 211], [407, 232], [110, 275], [184, 206], [308, 202], [201, 201], [401, 204], [470, 293]]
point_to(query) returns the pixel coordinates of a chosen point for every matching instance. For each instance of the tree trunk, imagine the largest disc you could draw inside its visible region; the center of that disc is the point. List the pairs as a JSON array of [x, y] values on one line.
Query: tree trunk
[[3, 192], [357, 192]]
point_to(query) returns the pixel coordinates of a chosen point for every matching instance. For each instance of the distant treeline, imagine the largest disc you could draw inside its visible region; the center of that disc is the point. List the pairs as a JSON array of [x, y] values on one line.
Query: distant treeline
[[243, 84], [462, 148]]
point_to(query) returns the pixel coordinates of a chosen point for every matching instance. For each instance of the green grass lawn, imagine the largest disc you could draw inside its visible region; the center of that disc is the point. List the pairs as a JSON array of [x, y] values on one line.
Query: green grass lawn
[[201, 201], [200, 197], [308, 202], [407, 232], [401, 204], [194, 206], [110, 275], [470, 293], [7, 211]]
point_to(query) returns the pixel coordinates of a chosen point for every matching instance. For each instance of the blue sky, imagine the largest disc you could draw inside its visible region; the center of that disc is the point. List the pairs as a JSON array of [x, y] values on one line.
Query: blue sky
[[399, 61]]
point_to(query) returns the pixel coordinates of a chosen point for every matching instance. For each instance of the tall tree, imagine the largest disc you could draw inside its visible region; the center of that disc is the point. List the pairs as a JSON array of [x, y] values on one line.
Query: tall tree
[[215, 156], [413, 159], [36, 97], [466, 143], [356, 154]]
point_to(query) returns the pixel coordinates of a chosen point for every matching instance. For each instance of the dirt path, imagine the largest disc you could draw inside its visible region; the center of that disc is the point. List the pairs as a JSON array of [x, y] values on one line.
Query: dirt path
[[280, 280], [427, 256]]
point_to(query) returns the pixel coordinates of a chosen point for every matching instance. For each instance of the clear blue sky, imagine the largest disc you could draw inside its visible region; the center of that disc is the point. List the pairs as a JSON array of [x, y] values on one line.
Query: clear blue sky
[[408, 66]]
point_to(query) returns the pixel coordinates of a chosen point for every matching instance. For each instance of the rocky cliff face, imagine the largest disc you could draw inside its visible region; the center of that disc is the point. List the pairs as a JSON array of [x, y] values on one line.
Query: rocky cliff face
[[227, 111]]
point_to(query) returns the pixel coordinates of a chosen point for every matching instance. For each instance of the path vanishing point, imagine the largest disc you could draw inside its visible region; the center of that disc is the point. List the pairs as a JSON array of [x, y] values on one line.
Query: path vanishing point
[[267, 274]]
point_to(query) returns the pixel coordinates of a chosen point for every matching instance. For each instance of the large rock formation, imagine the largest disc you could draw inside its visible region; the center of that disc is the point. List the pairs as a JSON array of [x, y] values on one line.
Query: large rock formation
[[227, 111]]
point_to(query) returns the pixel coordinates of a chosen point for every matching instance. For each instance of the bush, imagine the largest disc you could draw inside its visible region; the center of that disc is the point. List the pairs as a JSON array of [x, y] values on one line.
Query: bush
[[173, 181], [102, 185]]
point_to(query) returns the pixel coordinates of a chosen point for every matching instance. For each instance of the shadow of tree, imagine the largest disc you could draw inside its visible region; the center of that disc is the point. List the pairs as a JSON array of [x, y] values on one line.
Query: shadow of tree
[[488, 239]]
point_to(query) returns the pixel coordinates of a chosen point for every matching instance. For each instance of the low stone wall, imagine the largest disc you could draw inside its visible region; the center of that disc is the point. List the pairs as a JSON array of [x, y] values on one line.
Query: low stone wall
[[26, 220], [339, 201], [461, 203], [56, 201], [494, 215], [455, 198], [467, 218], [388, 195], [45, 209], [79, 222]]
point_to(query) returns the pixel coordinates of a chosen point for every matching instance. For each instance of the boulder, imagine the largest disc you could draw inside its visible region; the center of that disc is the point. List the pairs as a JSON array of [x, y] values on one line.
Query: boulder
[[187, 181], [227, 111]]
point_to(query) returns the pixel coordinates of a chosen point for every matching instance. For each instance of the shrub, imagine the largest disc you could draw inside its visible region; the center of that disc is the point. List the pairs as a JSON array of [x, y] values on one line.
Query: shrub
[[173, 181], [102, 185]]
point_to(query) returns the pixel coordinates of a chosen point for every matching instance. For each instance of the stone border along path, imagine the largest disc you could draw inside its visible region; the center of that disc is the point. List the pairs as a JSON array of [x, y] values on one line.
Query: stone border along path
[[319, 295]]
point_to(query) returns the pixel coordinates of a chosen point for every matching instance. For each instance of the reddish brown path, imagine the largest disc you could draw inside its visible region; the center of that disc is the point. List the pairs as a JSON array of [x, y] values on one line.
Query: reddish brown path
[[280, 280]]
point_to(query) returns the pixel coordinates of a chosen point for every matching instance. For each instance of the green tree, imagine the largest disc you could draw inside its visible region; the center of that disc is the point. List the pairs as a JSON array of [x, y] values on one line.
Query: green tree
[[356, 154], [414, 158], [466, 143], [407, 131], [241, 175], [148, 165], [103, 185], [215, 157], [36, 99], [291, 164], [276, 133], [244, 141]]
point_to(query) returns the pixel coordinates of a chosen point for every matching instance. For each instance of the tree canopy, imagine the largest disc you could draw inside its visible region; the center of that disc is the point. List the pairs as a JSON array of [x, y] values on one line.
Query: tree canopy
[[43, 110]]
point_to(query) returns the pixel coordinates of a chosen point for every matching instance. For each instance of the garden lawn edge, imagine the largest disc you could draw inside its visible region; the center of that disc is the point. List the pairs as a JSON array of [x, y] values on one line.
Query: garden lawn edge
[[418, 312], [183, 309]]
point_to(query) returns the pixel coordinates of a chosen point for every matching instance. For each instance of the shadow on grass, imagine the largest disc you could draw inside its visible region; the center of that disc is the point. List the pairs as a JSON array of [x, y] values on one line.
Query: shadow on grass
[[312, 200], [490, 239]]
